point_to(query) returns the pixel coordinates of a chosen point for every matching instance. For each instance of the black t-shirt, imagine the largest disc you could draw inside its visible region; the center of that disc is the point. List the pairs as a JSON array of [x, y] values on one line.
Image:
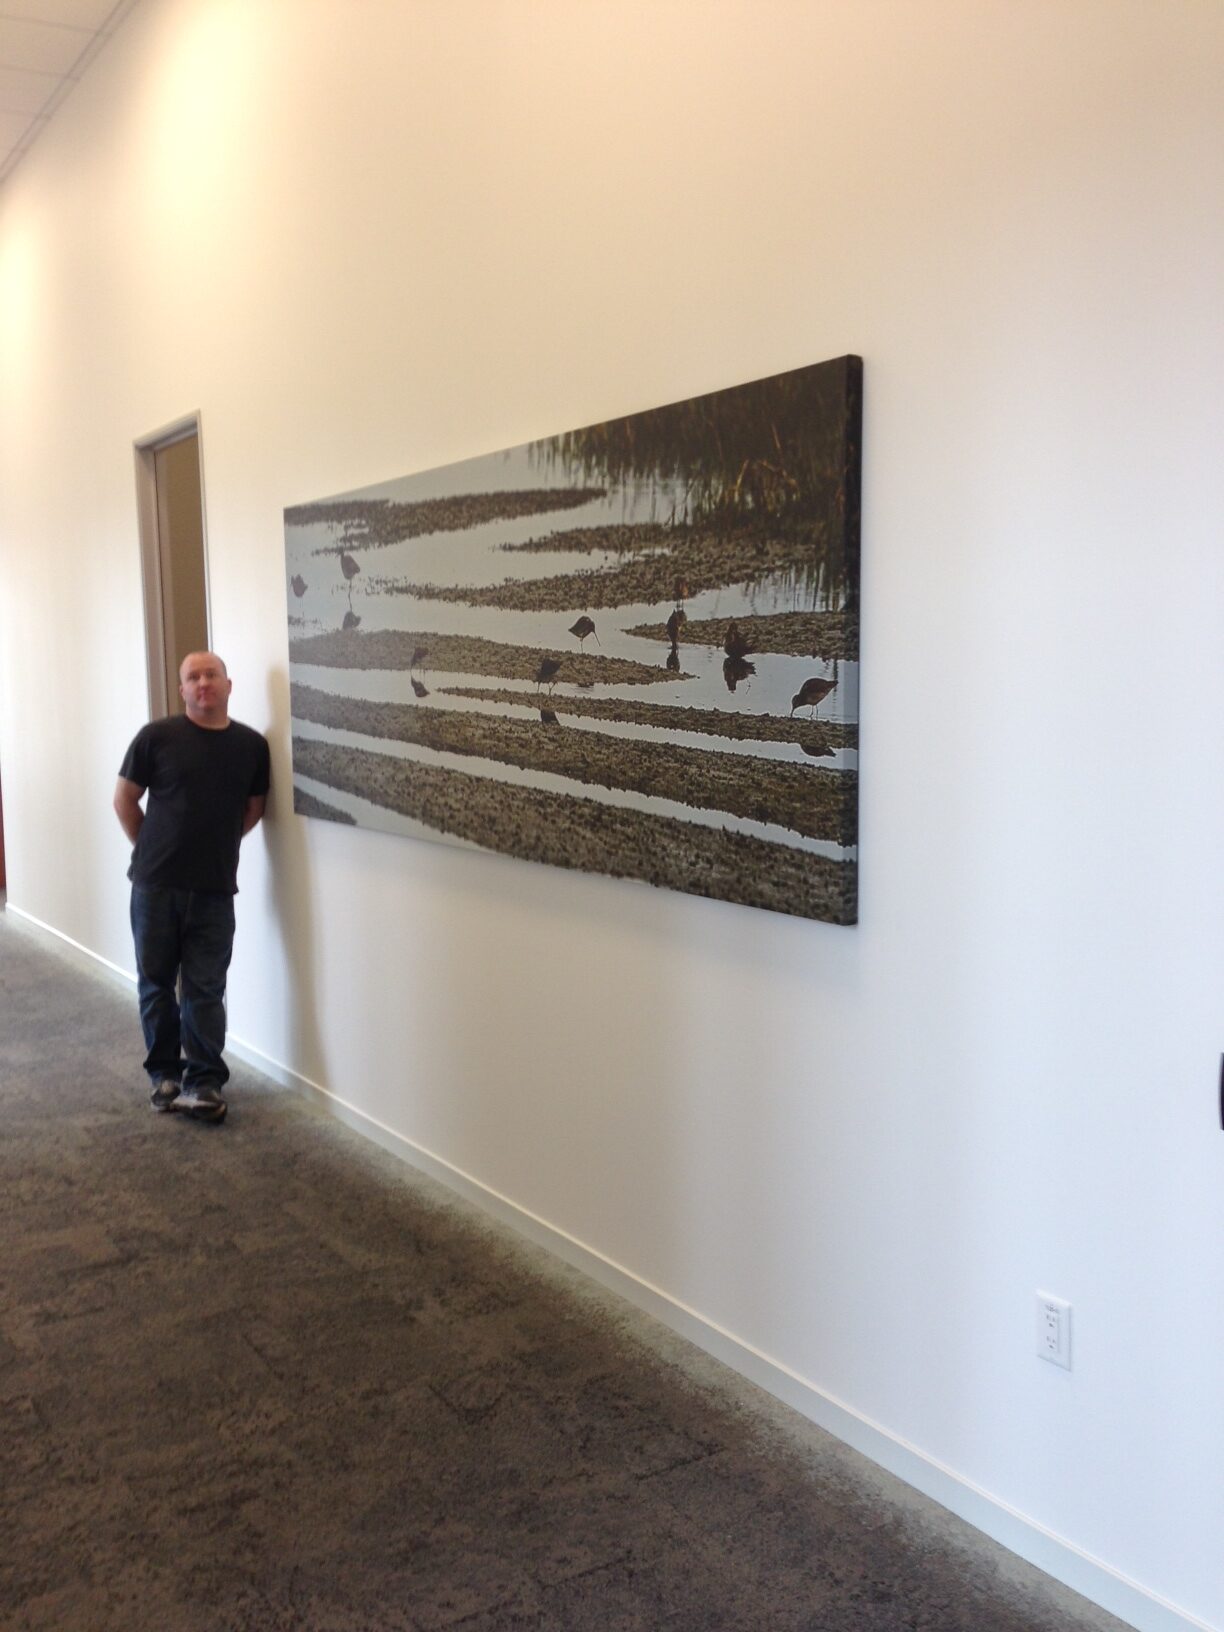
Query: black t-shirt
[[199, 782]]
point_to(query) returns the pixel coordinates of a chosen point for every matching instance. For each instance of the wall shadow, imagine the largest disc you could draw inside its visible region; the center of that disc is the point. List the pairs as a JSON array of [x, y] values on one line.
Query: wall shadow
[[290, 899]]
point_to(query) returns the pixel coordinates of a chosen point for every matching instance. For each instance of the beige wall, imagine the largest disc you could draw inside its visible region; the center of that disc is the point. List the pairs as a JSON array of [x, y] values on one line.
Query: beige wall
[[851, 1155]]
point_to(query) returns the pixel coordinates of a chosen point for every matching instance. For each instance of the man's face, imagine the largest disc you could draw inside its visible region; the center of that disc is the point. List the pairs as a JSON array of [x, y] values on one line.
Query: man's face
[[204, 686]]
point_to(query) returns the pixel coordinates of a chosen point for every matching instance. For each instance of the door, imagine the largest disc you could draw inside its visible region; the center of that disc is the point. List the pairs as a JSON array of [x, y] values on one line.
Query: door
[[171, 504]]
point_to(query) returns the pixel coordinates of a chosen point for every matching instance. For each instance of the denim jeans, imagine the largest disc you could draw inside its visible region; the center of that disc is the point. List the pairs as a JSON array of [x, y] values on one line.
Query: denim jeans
[[187, 932]]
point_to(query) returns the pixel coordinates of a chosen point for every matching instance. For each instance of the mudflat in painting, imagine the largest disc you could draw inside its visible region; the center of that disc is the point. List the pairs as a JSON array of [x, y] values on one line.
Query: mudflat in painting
[[631, 649]]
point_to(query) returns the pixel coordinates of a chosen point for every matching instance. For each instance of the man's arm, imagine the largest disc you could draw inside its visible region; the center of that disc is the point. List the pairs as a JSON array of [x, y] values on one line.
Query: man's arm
[[253, 813], [127, 806]]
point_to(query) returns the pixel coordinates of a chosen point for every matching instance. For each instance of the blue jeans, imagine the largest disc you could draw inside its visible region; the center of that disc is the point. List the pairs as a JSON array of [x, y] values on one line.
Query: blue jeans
[[187, 932]]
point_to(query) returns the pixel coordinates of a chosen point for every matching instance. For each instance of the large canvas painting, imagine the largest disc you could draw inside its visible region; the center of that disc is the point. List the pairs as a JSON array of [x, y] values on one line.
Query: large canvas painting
[[631, 649]]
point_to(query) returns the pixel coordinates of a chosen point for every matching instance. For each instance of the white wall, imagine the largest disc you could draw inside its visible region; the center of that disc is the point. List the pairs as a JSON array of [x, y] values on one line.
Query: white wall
[[366, 241]]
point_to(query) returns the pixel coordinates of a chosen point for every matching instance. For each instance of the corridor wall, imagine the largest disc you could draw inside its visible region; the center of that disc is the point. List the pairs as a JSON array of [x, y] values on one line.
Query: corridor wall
[[366, 241]]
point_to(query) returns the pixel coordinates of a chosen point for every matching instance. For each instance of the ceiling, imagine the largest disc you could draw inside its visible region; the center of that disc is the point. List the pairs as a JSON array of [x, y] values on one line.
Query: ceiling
[[45, 47]]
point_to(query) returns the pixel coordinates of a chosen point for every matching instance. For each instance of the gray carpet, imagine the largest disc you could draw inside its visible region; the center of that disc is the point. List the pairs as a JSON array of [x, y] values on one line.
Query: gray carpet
[[263, 1378]]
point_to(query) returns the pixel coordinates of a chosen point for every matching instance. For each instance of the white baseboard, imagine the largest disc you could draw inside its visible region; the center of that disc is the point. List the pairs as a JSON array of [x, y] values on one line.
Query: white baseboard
[[1096, 1580], [87, 957]]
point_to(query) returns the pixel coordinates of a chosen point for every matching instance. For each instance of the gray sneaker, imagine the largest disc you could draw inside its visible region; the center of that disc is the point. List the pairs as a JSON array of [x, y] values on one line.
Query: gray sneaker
[[165, 1093], [205, 1104]]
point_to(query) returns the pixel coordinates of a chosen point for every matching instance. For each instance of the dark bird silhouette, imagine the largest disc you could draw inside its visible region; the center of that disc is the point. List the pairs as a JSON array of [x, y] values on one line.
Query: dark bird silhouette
[[348, 566], [584, 627], [547, 717], [818, 750], [546, 674], [419, 654], [675, 623], [736, 644], [673, 661], [812, 693], [419, 688], [351, 619], [298, 585], [736, 669]]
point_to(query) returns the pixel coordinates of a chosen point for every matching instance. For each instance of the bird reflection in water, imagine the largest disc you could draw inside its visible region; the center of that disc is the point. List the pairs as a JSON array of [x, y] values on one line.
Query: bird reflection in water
[[298, 585], [735, 670], [351, 620], [547, 717], [419, 688], [818, 750], [675, 624]]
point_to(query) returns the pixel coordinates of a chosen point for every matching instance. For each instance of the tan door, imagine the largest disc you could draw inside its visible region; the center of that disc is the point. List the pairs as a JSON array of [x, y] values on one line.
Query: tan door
[[180, 537], [170, 496]]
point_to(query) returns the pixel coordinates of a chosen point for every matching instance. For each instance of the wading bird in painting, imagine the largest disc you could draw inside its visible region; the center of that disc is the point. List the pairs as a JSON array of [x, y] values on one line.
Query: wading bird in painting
[[735, 642], [549, 669], [812, 693]]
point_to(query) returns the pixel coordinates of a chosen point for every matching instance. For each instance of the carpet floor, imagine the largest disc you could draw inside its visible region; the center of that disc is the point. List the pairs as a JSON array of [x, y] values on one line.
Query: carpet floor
[[263, 1377]]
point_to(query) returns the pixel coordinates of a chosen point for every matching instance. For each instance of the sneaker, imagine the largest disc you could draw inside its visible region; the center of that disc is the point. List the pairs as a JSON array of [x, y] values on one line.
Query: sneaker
[[165, 1093], [205, 1104]]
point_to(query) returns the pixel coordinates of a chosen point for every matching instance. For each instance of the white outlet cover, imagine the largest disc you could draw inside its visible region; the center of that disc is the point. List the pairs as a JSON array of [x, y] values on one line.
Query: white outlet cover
[[1054, 1329]]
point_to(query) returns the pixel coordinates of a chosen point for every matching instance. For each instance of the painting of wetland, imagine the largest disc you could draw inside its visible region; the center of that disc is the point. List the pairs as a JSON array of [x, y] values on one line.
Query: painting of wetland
[[631, 649]]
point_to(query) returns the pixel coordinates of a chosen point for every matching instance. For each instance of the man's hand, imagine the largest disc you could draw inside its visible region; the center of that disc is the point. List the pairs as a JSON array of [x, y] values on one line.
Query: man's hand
[[127, 807], [253, 813]]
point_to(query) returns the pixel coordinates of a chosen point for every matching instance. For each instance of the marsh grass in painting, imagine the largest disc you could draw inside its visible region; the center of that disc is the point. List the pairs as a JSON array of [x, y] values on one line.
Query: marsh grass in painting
[[630, 649]]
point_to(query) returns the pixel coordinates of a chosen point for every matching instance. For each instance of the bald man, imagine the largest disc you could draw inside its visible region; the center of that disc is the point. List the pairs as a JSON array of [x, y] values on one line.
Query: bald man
[[207, 780]]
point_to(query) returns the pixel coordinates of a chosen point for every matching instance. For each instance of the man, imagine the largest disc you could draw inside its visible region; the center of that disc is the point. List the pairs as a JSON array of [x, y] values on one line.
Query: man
[[207, 779]]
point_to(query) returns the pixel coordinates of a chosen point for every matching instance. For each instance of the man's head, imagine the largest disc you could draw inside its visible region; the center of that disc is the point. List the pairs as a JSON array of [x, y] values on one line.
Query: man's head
[[205, 687]]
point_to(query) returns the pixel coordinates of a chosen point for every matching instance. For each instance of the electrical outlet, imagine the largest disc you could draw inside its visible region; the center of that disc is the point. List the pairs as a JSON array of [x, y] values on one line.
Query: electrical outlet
[[1054, 1329]]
